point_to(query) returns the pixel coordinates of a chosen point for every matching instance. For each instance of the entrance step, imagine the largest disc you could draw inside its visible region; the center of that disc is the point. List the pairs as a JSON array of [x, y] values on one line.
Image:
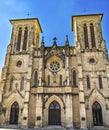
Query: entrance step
[[53, 128], [100, 128]]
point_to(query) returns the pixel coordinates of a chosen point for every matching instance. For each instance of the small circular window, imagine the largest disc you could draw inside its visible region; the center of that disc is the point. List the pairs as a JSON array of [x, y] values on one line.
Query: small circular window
[[54, 66], [19, 63], [92, 60]]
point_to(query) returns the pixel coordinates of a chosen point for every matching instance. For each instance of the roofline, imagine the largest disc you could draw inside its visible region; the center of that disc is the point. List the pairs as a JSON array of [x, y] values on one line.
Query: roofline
[[85, 15], [27, 19]]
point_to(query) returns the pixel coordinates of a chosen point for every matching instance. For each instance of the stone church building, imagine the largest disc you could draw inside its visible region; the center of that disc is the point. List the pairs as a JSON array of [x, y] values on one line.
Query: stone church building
[[65, 86]]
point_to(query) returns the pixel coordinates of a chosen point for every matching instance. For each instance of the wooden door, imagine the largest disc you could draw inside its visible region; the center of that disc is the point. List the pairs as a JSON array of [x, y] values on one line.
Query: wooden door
[[14, 113], [54, 114], [97, 114]]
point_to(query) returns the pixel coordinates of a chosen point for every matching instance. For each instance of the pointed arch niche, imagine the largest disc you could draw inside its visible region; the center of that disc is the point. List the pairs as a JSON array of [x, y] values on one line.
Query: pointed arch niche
[[59, 103]]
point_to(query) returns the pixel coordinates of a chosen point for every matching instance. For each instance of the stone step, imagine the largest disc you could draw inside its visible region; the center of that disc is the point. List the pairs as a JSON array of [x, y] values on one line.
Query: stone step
[[100, 128]]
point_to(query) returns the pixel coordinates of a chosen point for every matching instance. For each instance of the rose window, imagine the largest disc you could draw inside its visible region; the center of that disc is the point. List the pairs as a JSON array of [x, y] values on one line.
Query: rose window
[[54, 66]]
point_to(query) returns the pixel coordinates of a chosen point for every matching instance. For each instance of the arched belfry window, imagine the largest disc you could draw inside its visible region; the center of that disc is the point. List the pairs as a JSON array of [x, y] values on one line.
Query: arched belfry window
[[100, 82], [14, 113], [74, 78], [25, 38], [22, 84], [19, 39], [11, 84], [97, 114], [88, 82], [86, 36], [36, 79], [92, 35]]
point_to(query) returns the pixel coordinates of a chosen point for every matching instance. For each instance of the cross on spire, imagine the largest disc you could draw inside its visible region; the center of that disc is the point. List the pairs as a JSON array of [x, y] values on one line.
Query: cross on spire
[[28, 14], [54, 39], [54, 44]]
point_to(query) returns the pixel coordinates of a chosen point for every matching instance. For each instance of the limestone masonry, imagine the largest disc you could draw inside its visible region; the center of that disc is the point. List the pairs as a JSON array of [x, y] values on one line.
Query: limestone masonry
[[56, 85]]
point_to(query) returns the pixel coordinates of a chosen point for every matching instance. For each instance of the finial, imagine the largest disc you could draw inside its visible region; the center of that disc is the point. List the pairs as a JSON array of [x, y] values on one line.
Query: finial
[[42, 43], [67, 42], [54, 39], [28, 14]]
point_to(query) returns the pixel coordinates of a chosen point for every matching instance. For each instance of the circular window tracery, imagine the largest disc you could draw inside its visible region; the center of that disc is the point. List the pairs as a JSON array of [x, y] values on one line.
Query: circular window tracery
[[19, 63], [55, 66], [92, 60]]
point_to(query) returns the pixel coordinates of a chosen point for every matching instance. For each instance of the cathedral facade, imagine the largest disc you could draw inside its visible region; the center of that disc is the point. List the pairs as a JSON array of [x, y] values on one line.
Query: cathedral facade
[[56, 85]]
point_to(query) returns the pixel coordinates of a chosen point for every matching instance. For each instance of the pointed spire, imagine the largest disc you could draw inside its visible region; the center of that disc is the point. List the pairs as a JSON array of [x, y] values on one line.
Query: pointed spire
[[67, 42], [42, 43], [54, 43]]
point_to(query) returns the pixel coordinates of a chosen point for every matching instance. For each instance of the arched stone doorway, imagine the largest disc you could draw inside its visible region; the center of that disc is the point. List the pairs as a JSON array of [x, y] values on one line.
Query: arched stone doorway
[[97, 114], [54, 114], [14, 113]]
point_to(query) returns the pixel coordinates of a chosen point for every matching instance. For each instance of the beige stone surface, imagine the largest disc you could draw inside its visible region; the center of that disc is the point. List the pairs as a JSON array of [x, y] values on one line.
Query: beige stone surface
[[54, 80]]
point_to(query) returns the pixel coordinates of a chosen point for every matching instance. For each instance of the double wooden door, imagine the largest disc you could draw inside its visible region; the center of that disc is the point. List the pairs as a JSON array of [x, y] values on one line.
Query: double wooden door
[[97, 114], [14, 113], [54, 114]]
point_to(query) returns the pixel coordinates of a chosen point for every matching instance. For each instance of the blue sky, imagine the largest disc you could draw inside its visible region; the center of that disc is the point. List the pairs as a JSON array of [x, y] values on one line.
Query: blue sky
[[54, 17]]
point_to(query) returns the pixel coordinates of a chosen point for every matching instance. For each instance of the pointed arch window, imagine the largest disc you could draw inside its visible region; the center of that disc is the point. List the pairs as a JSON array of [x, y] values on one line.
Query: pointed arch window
[[100, 82], [74, 75], [25, 38], [86, 36], [92, 35], [48, 80], [22, 84], [88, 82], [11, 84], [60, 80], [36, 79], [19, 39]]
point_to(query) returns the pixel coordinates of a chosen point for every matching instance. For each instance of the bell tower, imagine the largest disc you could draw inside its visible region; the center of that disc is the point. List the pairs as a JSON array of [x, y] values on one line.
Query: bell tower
[[88, 32], [25, 33], [17, 70]]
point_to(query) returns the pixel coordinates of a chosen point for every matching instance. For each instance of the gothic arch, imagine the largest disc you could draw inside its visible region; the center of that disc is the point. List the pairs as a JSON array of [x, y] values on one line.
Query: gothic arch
[[54, 98], [19, 26], [8, 105], [95, 96], [97, 114], [47, 105], [54, 58], [26, 25], [74, 71], [34, 76], [14, 113], [93, 22]]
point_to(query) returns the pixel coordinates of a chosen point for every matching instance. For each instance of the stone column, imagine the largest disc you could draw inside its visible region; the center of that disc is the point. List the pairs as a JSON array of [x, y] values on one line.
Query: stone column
[[69, 111], [81, 99], [67, 70], [81, 93], [82, 106], [38, 121], [22, 40], [89, 36], [40, 71], [27, 94], [26, 105]]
